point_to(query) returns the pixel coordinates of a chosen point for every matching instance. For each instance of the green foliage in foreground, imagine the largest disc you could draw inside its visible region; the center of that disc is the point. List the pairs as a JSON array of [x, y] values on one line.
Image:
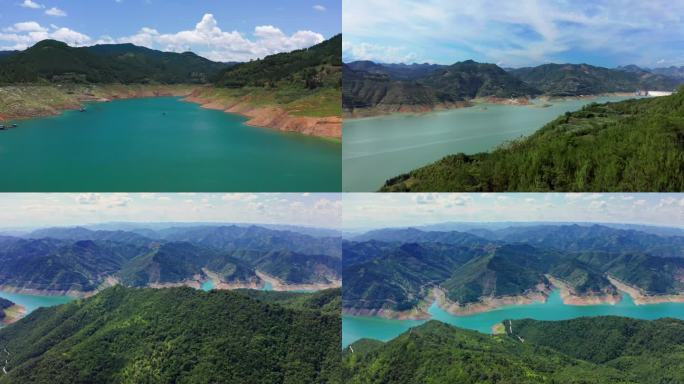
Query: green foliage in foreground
[[437, 353], [178, 335], [633, 145], [583, 350], [650, 351]]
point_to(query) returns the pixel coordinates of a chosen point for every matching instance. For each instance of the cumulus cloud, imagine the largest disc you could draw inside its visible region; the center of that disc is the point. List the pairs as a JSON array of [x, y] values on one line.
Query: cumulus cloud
[[31, 4], [54, 11], [209, 40], [378, 53], [25, 34], [319, 8]]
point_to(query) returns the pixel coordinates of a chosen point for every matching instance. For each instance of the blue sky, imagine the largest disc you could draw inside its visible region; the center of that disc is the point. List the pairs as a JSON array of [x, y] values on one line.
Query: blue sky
[[219, 29], [374, 210], [20, 210], [516, 33]]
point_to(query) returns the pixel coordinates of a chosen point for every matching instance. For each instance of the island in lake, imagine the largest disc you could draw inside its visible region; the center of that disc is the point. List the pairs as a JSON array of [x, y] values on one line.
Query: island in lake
[[552, 127]]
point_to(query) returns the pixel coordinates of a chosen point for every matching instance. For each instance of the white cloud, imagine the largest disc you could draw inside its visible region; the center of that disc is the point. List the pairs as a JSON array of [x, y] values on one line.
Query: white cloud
[[319, 8], [378, 53], [25, 34], [54, 11], [31, 4], [27, 26], [525, 32], [209, 40]]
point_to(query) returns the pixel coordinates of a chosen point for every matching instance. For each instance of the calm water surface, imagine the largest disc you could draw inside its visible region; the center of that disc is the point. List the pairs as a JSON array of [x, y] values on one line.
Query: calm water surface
[[357, 327], [162, 144], [33, 302], [376, 149]]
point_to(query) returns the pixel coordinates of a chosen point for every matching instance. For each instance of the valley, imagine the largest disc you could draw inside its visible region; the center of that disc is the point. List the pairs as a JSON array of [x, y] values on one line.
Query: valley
[[401, 119], [479, 277], [56, 265]]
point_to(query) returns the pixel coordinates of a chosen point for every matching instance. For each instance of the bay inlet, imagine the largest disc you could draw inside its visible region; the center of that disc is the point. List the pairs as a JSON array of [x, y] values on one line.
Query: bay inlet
[[357, 327]]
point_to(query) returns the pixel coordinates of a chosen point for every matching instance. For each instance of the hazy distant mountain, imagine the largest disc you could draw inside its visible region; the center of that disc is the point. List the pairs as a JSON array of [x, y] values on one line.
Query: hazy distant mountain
[[674, 72], [400, 87], [585, 79]]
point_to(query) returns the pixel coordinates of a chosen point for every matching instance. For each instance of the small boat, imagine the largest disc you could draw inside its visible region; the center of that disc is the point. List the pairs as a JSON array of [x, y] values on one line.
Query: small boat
[[2, 128], [82, 110], [14, 125]]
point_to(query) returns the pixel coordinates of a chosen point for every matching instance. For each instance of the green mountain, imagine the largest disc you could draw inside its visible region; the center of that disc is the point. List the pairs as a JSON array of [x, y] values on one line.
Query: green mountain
[[633, 145], [56, 62], [439, 353], [397, 276], [510, 270], [395, 269], [318, 66], [178, 335], [392, 87], [582, 350], [584, 79], [469, 79], [63, 259]]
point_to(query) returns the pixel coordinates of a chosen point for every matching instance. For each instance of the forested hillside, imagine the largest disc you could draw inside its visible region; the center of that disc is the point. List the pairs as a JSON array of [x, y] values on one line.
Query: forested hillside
[[82, 260], [396, 269], [51, 61], [584, 79], [584, 350], [633, 145], [178, 335]]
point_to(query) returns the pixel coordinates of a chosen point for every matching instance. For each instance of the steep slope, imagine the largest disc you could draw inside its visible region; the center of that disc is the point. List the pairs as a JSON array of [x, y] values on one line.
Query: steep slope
[[62, 266], [439, 353], [584, 79], [633, 145], [510, 270], [178, 335], [390, 279]]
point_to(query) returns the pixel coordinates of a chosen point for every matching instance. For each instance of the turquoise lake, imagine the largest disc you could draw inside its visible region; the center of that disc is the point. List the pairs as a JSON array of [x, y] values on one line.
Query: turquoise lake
[[357, 327], [376, 149], [159, 145], [209, 285], [33, 302]]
